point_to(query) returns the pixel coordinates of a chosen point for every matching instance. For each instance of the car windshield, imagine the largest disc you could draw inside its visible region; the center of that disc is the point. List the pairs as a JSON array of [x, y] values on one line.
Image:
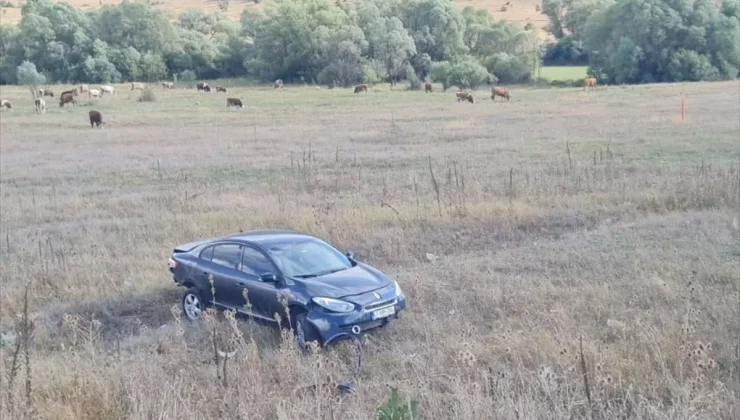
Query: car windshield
[[310, 258]]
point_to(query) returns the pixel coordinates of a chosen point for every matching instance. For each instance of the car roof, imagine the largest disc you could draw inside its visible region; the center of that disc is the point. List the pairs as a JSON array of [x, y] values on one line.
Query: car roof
[[268, 236]]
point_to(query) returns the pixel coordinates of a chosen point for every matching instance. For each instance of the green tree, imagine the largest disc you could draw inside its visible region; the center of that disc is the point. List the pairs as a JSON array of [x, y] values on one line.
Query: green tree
[[26, 74], [638, 41], [392, 45]]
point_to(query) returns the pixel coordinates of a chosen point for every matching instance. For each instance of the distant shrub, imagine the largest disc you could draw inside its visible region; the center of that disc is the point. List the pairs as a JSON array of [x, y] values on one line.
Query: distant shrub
[[504, 8], [147, 95], [370, 75], [414, 81], [6, 4], [187, 76]]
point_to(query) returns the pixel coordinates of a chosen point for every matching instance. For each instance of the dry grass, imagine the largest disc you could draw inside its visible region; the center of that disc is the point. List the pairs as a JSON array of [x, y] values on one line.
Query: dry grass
[[629, 241]]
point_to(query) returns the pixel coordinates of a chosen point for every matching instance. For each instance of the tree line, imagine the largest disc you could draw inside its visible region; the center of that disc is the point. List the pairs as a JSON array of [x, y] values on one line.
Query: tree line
[[645, 41], [343, 43]]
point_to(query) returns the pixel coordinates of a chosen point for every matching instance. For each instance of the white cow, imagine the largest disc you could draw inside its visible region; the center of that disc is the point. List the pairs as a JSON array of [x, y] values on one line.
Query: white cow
[[40, 105], [93, 93], [107, 89]]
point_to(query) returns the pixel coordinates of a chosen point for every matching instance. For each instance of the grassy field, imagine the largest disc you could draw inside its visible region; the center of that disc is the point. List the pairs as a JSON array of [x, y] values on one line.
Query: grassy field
[[521, 11], [563, 73], [558, 216]]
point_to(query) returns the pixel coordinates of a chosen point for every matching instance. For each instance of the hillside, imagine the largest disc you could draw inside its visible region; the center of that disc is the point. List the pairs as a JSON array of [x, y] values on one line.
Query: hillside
[[518, 11]]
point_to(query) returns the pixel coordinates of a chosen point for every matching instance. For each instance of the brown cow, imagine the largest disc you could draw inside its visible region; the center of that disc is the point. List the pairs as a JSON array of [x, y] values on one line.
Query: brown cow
[[67, 98], [465, 96], [279, 83], [236, 102], [499, 91], [6, 104], [168, 85], [361, 88], [589, 83], [84, 88], [96, 118], [428, 87], [73, 92], [221, 89], [46, 92]]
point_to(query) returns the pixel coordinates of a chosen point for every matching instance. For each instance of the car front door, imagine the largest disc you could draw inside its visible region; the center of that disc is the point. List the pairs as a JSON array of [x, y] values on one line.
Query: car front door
[[261, 295]]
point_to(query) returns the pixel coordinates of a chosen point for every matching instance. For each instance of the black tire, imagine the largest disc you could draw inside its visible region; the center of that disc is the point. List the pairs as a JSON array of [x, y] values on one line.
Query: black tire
[[192, 304], [304, 331]]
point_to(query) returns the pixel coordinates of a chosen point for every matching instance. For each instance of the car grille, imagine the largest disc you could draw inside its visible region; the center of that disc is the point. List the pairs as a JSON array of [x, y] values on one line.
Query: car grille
[[376, 305]]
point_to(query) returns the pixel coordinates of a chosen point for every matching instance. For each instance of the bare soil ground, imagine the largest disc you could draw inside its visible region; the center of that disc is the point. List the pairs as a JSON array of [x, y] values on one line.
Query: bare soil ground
[[521, 11], [558, 215]]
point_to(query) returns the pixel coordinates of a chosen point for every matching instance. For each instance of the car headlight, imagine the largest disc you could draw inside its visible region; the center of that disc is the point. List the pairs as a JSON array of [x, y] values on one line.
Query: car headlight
[[399, 292], [334, 305]]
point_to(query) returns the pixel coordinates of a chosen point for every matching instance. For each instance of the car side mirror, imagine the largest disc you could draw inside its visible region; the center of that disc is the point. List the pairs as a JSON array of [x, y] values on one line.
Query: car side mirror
[[269, 278], [350, 255]]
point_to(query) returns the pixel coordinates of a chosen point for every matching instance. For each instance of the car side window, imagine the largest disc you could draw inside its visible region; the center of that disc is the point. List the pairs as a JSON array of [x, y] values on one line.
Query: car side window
[[207, 253], [255, 263], [227, 255]]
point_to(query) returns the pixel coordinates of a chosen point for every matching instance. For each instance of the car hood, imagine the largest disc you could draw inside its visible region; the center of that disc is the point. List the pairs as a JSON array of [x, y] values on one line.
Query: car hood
[[352, 281]]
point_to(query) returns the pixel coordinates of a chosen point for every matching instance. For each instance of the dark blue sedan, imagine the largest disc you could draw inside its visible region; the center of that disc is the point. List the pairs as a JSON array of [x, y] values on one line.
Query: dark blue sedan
[[329, 295]]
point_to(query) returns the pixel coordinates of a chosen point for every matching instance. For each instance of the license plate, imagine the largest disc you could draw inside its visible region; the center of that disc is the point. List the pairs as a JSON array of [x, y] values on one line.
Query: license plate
[[384, 313]]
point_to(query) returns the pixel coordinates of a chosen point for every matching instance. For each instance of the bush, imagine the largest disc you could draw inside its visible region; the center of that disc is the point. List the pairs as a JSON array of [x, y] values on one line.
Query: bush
[[508, 68], [467, 73], [370, 74], [147, 95], [187, 76], [26, 74], [415, 82]]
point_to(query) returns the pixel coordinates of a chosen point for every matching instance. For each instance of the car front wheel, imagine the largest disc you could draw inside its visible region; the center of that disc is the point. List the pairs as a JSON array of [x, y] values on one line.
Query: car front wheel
[[304, 331], [192, 305]]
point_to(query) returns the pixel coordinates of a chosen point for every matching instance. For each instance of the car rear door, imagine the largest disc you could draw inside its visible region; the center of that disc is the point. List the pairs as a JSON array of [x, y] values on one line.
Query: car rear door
[[263, 301], [223, 264]]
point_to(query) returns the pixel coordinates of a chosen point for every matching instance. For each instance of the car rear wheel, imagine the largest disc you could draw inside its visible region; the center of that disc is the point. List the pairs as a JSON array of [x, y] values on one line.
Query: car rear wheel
[[304, 331], [192, 305]]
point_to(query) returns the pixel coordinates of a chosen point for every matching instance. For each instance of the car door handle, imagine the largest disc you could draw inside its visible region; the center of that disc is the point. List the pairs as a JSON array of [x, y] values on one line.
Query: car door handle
[[241, 283]]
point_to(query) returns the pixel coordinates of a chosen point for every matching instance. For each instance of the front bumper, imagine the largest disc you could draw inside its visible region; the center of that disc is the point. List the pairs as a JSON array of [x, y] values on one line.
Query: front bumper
[[333, 326]]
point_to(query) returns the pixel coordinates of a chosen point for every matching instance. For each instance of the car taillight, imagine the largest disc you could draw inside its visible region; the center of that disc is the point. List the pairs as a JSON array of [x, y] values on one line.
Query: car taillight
[[172, 263]]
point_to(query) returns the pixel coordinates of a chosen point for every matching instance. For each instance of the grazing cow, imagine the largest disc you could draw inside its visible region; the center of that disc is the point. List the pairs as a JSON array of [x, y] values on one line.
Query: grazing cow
[[499, 91], [235, 102], [107, 89], [589, 83], [73, 92], [84, 88], [46, 92], [96, 118], [465, 96], [428, 87], [67, 98], [361, 88], [221, 89], [40, 105], [168, 85], [203, 86], [279, 83], [5, 104], [137, 85], [94, 93]]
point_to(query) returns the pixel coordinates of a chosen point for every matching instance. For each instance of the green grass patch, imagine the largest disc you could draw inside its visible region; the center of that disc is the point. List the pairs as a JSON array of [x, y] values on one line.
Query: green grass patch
[[563, 73]]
